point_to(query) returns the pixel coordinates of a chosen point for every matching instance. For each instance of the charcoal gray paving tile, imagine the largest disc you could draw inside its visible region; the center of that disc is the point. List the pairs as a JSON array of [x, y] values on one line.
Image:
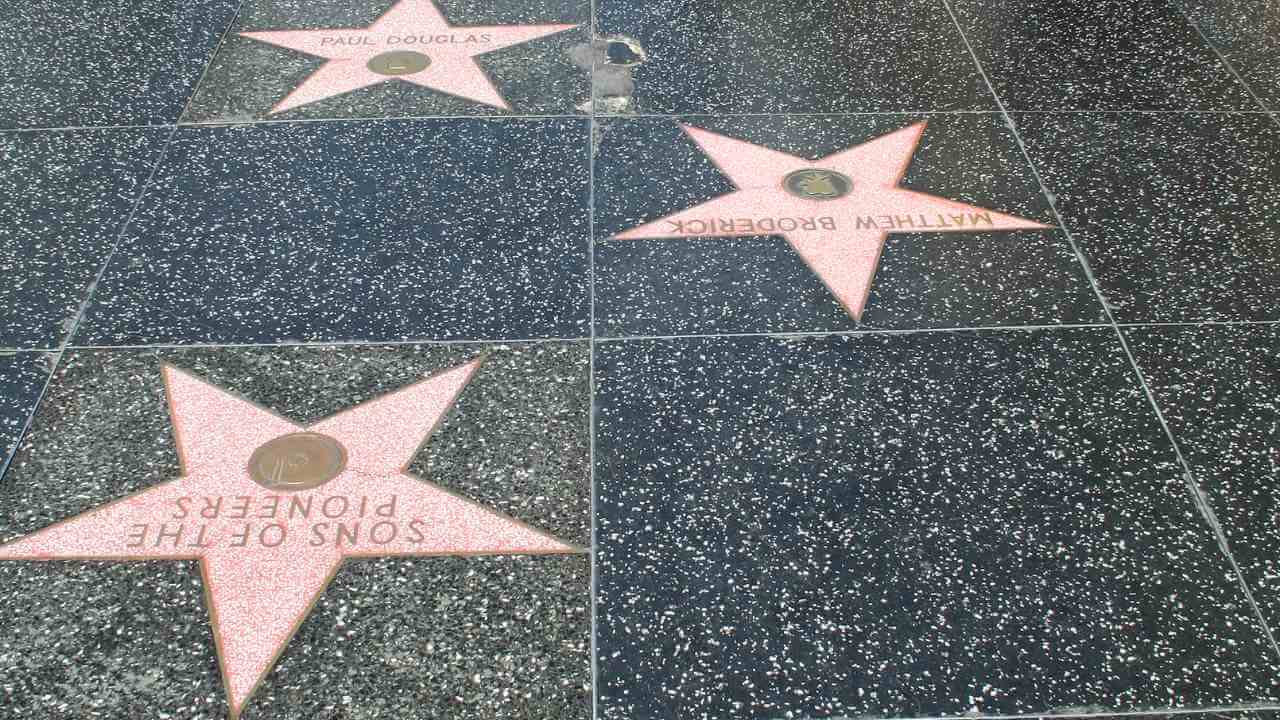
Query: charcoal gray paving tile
[[433, 229], [1219, 389], [1176, 212], [253, 78], [1247, 33], [1097, 55], [903, 525], [475, 638], [430, 637], [22, 376], [1244, 712], [839, 56], [647, 169], [105, 62], [63, 198]]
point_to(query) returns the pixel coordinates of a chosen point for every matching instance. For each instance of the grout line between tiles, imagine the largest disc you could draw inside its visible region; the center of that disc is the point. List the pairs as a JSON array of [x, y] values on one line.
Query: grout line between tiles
[[1197, 323], [1103, 111], [374, 342], [90, 289], [115, 246], [845, 333], [1135, 111], [329, 343], [612, 116], [7, 460], [593, 664], [1152, 713], [1199, 499], [195, 90], [1223, 59], [81, 128], [387, 118], [597, 339]]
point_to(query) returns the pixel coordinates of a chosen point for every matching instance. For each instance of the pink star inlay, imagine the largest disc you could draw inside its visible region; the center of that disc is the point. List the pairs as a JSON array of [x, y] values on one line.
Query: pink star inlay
[[265, 556], [412, 26], [839, 238]]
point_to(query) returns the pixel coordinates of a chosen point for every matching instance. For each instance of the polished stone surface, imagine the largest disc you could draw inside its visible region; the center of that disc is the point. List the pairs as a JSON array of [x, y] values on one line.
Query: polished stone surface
[[1219, 388], [903, 525], [462, 637], [1247, 33], [1230, 714], [790, 57], [22, 376], [874, 359], [105, 62], [1177, 213], [397, 230], [649, 168], [1097, 55], [249, 77], [63, 198]]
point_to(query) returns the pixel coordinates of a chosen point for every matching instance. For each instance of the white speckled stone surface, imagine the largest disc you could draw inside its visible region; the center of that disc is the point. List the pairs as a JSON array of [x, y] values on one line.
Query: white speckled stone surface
[[903, 525], [64, 196], [780, 444], [1097, 55], [390, 230], [22, 378], [398, 632], [1178, 214], [105, 62], [1219, 387]]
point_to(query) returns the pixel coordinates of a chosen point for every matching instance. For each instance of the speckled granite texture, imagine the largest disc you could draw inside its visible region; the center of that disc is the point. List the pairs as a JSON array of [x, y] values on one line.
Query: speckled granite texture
[[64, 196], [504, 637], [22, 377], [1219, 387], [856, 359], [1247, 34], [1097, 55], [105, 62], [839, 56], [397, 230], [907, 525], [1175, 212]]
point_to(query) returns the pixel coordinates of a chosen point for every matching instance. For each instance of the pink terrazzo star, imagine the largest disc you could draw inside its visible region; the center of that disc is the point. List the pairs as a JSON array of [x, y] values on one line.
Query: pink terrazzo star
[[410, 26], [841, 236], [266, 555]]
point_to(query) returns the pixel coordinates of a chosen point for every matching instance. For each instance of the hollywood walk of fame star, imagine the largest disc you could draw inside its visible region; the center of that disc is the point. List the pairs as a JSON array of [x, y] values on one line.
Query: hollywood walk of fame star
[[411, 42], [267, 549], [836, 212]]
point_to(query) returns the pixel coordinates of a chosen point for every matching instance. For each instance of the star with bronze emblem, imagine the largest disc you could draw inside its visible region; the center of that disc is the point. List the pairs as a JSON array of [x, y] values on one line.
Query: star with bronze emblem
[[836, 212], [271, 509], [412, 42]]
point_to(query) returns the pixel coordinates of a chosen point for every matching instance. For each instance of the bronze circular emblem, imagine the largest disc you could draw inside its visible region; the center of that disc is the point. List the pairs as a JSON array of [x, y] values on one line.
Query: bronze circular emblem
[[399, 62], [300, 461], [817, 184]]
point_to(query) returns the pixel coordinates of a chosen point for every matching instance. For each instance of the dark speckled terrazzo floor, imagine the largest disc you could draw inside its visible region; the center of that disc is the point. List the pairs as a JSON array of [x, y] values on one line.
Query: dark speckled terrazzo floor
[[1031, 469]]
